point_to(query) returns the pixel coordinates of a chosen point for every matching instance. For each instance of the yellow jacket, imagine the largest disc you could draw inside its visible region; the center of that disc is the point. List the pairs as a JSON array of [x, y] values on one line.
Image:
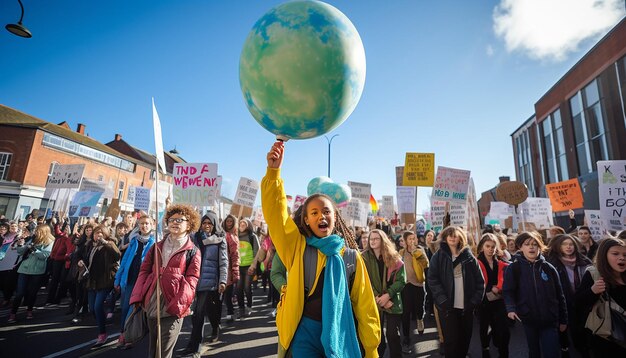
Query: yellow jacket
[[420, 263], [290, 245]]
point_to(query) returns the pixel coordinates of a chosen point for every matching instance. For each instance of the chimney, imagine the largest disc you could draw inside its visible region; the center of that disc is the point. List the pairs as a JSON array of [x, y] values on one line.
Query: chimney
[[118, 137], [80, 128], [504, 178]]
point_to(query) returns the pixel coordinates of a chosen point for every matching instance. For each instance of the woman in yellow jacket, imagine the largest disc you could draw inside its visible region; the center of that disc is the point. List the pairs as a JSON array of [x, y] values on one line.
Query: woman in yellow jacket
[[413, 294], [318, 322]]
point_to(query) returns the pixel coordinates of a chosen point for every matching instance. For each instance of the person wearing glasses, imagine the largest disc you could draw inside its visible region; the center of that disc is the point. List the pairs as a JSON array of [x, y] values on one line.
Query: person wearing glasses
[[178, 262]]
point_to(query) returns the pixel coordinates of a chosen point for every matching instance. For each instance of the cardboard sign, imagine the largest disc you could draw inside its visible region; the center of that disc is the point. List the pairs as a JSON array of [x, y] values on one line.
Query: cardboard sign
[[246, 192], [399, 176], [565, 195], [596, 225], [241, 211], [512, 192], [361, 191], [66, 176], [451, 185], [406, 199], [419, 169], [612, 190], [195, 183], [142, 198], [113, 210]]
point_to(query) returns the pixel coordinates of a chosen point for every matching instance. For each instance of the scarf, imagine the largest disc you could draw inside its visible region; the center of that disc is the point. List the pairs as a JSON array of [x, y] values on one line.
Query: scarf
[[143, 239], [338, 331]]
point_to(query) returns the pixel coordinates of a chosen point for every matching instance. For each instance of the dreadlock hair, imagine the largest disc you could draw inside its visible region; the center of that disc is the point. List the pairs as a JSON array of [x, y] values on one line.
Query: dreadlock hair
[[341, 228]]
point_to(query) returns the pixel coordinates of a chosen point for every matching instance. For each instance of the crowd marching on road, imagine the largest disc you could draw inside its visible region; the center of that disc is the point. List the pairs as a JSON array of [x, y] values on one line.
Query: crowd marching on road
[[331, 289]]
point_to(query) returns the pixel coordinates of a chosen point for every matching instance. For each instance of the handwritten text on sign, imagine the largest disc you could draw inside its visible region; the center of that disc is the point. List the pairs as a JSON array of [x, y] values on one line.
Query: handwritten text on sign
[[195, 183], [66, 176], [612, 190], [419, 169], [451, 185], [246, 192], [565, 195], [360, 191]]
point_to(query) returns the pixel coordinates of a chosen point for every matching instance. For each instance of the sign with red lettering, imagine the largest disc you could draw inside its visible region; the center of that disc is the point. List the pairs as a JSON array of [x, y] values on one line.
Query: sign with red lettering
[[195, 183]]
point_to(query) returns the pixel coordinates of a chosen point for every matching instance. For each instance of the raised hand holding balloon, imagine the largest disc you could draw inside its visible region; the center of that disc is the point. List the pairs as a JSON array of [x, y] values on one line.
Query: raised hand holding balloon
[[302, 69]]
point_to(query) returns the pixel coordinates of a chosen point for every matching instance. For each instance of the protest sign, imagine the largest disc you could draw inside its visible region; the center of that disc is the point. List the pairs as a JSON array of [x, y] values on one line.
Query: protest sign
[[84, 203], [387, 208], [512, 192], [500, 209], [458, 214], [361, 191], [66, 176], [406, 199], [165, 192], [142, 198], [565, 195], [473, 217], [247, 190], [195, 183], [241, 211], [356, 211], [451, 185], [130, 198], [537, 211], [399, 176], [419, 169], [437, 213], [596, 225], [298, 201], [113, 210], [612, 190]]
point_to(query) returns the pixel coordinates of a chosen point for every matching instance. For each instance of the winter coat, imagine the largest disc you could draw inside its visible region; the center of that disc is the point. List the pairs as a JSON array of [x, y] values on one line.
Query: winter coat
[[121, 277], [441, 278], [502, 265], [533, 290], [232, 243], [419, 263], [290, 246], [214, 266], [62, 245], [581, 267], [36, 262], [395, 275], [178, 281], [103, 266]]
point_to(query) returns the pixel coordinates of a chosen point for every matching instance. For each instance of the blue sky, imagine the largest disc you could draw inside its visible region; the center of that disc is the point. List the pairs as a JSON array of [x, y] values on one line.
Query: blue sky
[[450, 77]]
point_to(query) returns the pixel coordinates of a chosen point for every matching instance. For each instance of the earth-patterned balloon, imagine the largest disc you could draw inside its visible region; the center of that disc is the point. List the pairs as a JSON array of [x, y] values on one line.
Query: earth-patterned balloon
[[302, 69]]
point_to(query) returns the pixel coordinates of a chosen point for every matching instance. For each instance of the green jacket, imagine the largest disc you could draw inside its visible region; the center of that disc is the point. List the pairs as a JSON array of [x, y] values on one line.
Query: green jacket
[[397, 274], [35, 263]]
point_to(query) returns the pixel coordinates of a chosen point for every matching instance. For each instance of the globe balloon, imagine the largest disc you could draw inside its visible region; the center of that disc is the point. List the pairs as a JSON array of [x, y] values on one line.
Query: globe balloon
[[302, 69]]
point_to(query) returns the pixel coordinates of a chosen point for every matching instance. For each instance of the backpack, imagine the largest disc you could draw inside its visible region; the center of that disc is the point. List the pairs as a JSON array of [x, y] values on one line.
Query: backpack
[[310, 264]]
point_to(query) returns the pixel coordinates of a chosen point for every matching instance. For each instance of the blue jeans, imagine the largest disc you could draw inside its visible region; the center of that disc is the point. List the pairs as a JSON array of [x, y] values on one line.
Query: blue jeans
[[125, 304], [96, 305], [542, 340]]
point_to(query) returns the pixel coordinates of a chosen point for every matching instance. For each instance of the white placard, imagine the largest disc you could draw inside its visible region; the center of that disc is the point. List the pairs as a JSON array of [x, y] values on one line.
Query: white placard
[[406, 199], [458, 214], [356, 210], [595, 223], [142, 198], [361, 191], [66, 176], [246, 192], [612, 190], [437, 213], [195, 183], [158, 138], [451, 185], [387, 207], [537, 211], [500, 209]]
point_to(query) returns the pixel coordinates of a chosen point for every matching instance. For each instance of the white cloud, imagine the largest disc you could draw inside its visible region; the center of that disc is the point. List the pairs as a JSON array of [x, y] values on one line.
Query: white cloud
[[551, 29]]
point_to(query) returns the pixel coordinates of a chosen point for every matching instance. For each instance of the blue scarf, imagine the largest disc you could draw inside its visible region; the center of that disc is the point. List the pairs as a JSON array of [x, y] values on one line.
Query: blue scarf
[[338, 331]]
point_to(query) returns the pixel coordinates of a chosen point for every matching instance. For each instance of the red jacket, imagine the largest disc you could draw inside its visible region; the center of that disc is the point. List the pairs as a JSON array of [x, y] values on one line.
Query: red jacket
[[62, 245], [178, 284], [233, 258], [501, 267]]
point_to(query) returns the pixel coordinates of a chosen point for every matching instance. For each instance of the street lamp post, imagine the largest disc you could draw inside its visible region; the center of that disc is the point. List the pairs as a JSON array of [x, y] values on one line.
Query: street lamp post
[[330, 141]]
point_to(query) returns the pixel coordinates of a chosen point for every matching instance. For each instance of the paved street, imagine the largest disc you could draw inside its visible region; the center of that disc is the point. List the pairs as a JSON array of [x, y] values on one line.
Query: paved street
[[52, 334]]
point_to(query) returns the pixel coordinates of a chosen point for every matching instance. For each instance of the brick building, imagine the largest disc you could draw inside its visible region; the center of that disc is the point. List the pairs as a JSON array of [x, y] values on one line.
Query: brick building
[[30, 147], [579, 121]]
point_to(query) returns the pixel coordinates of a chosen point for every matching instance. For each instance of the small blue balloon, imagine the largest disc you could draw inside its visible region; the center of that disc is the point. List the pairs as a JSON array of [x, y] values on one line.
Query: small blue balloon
[[314, 185], [339, 193]]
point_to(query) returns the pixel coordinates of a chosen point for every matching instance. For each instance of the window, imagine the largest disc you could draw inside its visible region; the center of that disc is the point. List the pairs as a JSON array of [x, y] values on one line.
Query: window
[[5, 163], [589, 127], [621, 78], [524, 164], [554, 148], [120, 191]]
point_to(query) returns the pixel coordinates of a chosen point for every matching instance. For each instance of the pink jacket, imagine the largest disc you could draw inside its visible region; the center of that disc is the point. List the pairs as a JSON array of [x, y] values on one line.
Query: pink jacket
[[178, 284], [233, 258]]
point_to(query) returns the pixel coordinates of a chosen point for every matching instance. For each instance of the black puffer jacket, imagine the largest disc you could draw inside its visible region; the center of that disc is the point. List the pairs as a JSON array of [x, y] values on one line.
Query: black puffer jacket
[[441, 278]]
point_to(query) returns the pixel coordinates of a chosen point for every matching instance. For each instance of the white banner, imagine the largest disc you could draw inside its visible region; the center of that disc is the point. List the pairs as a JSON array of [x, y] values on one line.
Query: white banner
[[537, 211], [612, 190], [66, 176], [387, 207], [142, 198], [361, 191], [84, 203], [246, 192], [406, 199], [451, 185], [158, 138], [500, 209]]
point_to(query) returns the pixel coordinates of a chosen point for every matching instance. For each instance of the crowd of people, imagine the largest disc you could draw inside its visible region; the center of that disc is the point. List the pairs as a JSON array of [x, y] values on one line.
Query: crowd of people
[[336, 291]]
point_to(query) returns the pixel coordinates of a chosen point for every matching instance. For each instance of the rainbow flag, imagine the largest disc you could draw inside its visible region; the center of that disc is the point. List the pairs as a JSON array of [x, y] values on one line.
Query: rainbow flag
[[373, 204]]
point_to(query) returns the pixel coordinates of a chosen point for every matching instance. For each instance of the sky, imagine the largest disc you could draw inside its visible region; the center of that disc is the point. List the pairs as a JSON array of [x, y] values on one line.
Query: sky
[[454, 78]]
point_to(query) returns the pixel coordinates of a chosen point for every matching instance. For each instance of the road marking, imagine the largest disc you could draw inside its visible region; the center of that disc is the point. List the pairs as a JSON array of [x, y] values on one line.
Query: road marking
[[79, 346]]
